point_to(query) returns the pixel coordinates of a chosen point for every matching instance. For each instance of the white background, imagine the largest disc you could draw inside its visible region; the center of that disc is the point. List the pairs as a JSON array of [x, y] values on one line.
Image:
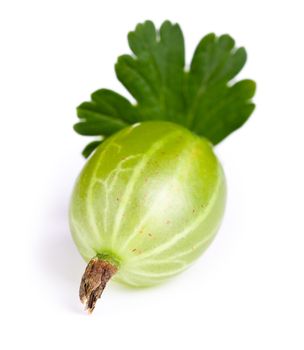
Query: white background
[[247, 291]]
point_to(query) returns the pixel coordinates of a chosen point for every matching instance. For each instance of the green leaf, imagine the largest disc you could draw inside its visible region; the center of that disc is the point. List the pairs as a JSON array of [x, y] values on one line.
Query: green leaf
[[89, 148], [230, 107], [204, 98], [112, 104], [155, 76], [107, 113]]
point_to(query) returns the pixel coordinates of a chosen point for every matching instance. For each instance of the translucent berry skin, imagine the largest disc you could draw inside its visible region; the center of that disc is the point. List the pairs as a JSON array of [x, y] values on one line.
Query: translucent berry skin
[[150, 200]]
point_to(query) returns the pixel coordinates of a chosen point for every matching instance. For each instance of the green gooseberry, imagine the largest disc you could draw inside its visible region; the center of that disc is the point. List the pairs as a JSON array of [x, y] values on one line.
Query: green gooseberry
[[146, 205]]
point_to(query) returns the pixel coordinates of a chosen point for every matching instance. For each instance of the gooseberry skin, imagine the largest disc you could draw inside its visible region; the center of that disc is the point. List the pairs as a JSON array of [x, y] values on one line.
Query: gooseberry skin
[[150, 200]]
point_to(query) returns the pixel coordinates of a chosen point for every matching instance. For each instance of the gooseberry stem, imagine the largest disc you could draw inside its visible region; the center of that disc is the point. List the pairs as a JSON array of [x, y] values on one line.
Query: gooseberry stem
[[97, 273]]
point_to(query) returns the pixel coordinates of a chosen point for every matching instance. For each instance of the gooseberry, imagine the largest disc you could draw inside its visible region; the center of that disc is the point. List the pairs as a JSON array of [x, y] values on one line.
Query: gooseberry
[[146, 205]]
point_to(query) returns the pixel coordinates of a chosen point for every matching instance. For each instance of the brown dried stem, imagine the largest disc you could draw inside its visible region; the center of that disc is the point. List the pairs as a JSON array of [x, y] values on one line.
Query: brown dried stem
[[97, 274]]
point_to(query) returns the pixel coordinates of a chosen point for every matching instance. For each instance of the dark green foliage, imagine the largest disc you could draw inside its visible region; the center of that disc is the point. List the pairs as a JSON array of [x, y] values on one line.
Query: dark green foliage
[[202, 99]]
